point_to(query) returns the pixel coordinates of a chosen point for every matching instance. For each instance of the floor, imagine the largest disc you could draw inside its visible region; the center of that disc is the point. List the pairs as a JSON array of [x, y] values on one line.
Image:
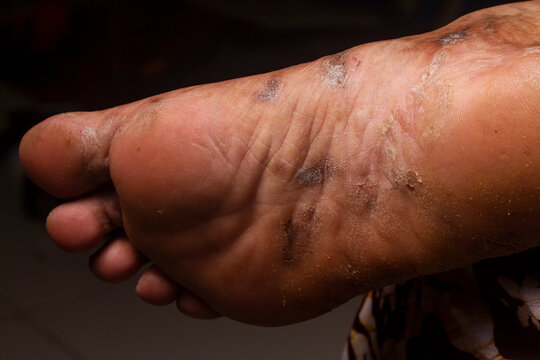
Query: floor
[[51, 307]]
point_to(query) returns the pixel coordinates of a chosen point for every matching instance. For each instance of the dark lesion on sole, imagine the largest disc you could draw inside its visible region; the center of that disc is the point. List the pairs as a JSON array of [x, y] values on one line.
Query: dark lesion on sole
[[271, 89], [298, 232], [514, 30], [317, 173], [290, 237], [501, 31], [453, 37]]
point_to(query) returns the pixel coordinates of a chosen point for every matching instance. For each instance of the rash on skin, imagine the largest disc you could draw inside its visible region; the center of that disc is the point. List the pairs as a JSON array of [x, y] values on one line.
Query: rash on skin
[[512, 30], [298, 232], [290, 237], [453, 37], [410, 181], [517, 29], [271, 89], [364, 197], [492, 35], [317, 173], [335, 71]]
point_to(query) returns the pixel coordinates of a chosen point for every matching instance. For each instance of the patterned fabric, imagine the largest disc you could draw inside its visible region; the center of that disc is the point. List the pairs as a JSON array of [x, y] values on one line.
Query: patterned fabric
[[487, 311]]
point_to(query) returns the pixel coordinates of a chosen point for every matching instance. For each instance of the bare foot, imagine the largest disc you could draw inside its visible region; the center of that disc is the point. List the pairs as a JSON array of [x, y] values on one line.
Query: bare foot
[[274, 198]]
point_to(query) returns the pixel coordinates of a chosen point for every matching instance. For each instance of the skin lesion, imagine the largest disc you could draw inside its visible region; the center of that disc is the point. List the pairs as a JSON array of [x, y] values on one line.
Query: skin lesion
[[270, 90], [335, 71], [517, 28], [453, 37], [298, 234], [317, 173]]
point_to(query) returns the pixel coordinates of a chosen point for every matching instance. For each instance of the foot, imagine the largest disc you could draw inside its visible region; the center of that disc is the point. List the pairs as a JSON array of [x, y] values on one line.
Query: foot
[[274, 198]]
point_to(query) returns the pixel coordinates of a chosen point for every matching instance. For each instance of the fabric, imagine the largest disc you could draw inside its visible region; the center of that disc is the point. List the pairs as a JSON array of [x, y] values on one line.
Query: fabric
[[487, 311]]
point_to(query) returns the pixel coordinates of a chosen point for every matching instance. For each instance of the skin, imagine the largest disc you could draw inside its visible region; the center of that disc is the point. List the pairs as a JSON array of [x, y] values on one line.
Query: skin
[[274, 198]]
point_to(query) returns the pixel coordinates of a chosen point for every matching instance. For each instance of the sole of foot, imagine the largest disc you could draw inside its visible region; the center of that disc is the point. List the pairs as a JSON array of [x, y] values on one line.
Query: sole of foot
[[274, 198]]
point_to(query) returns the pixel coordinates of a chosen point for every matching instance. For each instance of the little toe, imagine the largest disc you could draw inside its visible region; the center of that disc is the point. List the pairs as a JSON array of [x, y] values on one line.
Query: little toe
[[117, 260], [81, 224], [67, 154], [191, 305], [156, 288]]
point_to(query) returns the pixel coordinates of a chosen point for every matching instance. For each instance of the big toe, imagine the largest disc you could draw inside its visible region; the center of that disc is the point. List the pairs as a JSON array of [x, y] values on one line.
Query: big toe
[[67, 154]]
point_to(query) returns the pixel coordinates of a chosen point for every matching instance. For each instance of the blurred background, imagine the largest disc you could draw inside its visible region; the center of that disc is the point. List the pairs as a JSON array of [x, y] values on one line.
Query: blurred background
[[62, 56]]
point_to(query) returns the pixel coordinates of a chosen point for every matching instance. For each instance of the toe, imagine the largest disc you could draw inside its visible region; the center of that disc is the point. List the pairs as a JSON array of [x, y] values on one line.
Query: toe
[[118, 260], [81, 224], [67, 154], [191, 305], [156, 288]]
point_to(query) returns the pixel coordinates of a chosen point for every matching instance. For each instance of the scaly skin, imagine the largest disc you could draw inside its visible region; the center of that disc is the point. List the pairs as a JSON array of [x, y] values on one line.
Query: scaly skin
[[276, 197]]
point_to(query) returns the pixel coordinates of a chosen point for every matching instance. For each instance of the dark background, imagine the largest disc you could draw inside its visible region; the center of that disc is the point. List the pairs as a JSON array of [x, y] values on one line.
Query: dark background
[[85, 55], [59, 56]]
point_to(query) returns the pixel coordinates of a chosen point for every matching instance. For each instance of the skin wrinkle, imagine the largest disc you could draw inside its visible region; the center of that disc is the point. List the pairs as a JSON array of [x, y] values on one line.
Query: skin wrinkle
[[257, 179], [317, 174], [252, 139], [286, 141], [97, 156], [311, 175], [264, 168], [305, 154], [352, 108], [322, 122], [218, 143], [288, 131], [261, 149], [112, 211]]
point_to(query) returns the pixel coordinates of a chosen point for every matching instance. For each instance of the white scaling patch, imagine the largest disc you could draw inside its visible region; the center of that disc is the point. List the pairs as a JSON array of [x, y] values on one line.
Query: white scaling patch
[[89, 137], [531, 72], [429, 74], [452, 38], [532, 50], [143, 120], [90, 147], [440, 95], [434, 67]]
